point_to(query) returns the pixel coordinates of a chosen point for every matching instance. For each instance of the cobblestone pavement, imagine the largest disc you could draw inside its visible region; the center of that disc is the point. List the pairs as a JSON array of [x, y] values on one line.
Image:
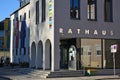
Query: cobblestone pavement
[[23, 74]]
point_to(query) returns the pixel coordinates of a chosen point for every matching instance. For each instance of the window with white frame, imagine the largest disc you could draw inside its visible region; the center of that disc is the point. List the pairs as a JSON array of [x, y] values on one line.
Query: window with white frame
[[92, 14]]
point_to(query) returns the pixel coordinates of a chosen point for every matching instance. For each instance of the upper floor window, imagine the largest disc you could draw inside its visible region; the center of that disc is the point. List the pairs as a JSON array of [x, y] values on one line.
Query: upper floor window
[[20, 17], [24, 16], [37, 12], [92, 12], [2, 33], [74, 9], [108, 11], [1, 26], [29, 13], [43, 10]]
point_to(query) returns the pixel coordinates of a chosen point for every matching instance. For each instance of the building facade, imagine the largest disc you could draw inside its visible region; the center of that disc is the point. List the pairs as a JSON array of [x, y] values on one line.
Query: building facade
[[20, 29], [2, 35], [76, 34], [5, 38]]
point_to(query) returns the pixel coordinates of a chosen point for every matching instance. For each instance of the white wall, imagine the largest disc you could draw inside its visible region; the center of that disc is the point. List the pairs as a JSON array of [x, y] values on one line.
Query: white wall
[[41, 31], [14, 57]]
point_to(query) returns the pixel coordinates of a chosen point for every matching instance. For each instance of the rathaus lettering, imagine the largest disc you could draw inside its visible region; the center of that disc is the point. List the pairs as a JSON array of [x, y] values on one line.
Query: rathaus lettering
[[86, 31]]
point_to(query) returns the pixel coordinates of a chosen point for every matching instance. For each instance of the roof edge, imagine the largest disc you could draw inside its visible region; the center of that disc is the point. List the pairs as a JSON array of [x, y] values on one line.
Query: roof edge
[[19, 9]]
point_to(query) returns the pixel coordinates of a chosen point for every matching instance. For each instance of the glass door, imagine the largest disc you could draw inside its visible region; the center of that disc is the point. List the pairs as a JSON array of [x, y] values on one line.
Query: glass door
[[63, 57], [68, 54], [72, 57]]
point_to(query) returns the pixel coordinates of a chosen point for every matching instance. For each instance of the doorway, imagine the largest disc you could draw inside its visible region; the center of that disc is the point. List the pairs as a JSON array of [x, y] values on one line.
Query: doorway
[[68, 54], [72, 57]]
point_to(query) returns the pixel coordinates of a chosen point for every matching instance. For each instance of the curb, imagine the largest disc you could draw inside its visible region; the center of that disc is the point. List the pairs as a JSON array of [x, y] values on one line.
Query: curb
[[108, 79]]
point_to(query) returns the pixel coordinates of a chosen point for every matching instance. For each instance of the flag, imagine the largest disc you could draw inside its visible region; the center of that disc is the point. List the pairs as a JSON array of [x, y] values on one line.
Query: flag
[[17, 34], [23, 34]]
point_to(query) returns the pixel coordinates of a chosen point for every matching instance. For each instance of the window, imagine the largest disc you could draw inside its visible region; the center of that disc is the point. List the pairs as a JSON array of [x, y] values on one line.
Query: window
[[2, 33], [20, 18], [108, 11], [98, 52], [88, 50], [37, 12], [29, 13], [43, 10], [24, 16], [74, 9], [92, 13], [98, 49], [1, 26]]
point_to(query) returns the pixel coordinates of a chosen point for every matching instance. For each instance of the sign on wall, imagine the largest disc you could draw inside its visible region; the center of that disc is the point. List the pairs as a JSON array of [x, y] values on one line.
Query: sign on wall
[[50, 14]]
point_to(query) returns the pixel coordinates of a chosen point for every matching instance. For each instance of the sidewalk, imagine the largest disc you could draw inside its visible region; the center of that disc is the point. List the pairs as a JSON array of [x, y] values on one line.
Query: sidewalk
[[23, 74], [27, 77]]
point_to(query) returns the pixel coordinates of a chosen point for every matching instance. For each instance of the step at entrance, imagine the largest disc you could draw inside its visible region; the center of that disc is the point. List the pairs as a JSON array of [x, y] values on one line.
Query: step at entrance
[[65, 74], [49, 74]]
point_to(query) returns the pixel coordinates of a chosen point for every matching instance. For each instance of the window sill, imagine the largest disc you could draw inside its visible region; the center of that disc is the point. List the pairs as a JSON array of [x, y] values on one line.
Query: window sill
[[108, 21], [92, 19], [75, 18]]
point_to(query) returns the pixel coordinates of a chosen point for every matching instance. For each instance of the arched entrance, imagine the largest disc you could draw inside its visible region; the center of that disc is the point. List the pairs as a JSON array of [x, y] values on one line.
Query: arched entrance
[[40, 55], [48, 54], [33, 55]]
